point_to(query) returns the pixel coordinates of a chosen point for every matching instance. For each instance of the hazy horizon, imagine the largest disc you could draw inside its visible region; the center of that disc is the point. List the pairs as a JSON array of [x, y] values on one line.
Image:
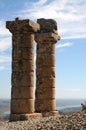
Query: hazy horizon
[[77, 99]]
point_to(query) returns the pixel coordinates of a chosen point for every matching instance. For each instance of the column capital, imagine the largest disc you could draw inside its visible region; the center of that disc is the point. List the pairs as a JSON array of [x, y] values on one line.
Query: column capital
[[48, 31], [47, 25], [47, 37], [22, 26]]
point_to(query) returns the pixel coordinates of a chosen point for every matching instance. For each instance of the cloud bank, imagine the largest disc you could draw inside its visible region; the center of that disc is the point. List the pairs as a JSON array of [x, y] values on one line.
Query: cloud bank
[[62, 45], [70, 15], [5, 45]]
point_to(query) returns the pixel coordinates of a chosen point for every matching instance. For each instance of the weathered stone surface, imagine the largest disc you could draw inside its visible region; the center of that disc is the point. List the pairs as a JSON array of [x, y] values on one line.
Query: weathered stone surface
[[20, 75], [23, 53], [23, 65], [24, 92], [45, 63], [43, 83], [45, 72], [45, 93], [47, 60], [50, 48], [22, 106], [21, 117], [51, 113], [23, 40], [22, 78], [47, 37], [47, 25], [43, 105], [22, 26], [28, 82]]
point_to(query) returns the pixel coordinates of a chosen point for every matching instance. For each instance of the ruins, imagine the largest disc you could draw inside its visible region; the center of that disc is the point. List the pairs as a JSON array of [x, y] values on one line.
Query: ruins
[[24, 33], [46, 38]]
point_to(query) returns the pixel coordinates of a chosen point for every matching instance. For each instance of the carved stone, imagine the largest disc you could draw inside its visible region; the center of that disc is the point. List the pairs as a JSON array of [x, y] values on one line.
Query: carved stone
[[24, 32], [46, 38], [22, 93]]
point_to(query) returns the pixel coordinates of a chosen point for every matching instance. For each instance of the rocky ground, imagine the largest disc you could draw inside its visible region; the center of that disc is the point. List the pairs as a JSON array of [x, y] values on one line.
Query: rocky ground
[[73, 121]]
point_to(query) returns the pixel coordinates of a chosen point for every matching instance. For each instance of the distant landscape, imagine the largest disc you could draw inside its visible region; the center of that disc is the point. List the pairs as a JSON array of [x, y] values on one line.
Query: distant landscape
[[63, 106], [4, 108]]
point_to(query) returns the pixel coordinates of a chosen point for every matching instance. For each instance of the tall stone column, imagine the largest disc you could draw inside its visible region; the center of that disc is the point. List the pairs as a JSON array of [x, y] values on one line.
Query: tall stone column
[[45, 66], [22, 92]]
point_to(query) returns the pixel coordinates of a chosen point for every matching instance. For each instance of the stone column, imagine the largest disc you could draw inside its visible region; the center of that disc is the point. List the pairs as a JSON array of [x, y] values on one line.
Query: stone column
[[22, 92], [45, 66]]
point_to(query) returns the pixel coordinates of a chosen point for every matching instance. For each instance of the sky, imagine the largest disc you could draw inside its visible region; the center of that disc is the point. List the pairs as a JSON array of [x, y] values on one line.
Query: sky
[[70, 16]]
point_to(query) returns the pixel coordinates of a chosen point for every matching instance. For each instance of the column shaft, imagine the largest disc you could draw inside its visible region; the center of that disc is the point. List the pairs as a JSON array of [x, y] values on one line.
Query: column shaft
[[45, 72], [22, 94], [22, 91], [45, 66]]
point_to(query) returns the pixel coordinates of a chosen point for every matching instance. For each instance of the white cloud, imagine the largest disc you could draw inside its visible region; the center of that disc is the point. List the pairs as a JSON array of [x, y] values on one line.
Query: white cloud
[[5, 62], [5, 37], [41, 2], [64, 45], [3, 30], [2, 68], [4, 59], [5, 43], [70, 15]]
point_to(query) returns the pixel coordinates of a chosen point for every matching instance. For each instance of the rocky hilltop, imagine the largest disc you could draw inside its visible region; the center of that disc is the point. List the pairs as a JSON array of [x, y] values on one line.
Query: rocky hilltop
[[73, 121]]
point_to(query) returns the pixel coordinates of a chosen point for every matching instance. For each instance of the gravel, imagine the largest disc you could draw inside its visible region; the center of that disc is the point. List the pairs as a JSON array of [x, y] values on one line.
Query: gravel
[[73, 121]]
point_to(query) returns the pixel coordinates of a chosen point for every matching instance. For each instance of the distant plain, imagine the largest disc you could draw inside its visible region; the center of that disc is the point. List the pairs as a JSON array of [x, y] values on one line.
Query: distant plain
[[63, 106]]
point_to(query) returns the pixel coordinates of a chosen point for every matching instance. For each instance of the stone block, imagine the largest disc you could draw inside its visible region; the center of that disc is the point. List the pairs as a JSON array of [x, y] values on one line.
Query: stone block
[[45, 72], [21, 117], [47, 25], [27, 82], [45, 60], [44, 48], [51, 113], [23, 40], [45, 105], [22, 92], [22, 74], [23, 78], [44, 83], [22, 106], [45, 93], [22, 26], [23, 65], [47, 37], [23, 53]]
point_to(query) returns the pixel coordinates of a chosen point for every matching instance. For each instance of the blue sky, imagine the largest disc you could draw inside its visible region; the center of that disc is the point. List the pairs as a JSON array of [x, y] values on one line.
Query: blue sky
[[70, 50]]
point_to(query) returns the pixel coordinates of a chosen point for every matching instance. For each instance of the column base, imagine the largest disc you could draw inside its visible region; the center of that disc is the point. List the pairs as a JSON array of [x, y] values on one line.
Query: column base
[[51, 113], [21, 117]]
